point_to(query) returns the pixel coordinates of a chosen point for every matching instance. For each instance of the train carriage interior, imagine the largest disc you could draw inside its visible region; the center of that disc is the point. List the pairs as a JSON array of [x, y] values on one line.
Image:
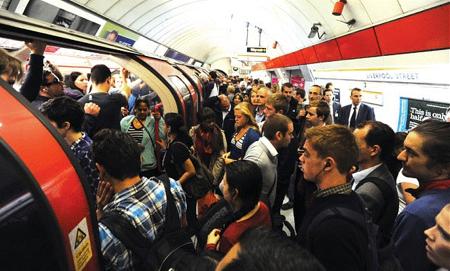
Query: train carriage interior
[[396, 51]]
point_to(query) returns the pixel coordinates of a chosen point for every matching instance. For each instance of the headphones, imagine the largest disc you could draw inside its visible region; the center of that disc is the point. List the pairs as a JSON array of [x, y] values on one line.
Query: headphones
[[328, 164]]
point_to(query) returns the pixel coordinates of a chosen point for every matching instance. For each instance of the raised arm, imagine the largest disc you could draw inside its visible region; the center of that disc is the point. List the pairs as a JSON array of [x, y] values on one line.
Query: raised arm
[[33, 79]]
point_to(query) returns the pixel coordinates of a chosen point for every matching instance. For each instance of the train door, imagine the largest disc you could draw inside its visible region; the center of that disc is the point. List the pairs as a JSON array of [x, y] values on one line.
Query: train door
[[185, 90], [195, 82], [47, 216]]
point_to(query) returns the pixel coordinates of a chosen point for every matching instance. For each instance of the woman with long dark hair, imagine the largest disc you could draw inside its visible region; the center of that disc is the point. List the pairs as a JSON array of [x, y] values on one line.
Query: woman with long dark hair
[[238, 98], [78, 83], [176, 160], [141, 126], [242, 186]]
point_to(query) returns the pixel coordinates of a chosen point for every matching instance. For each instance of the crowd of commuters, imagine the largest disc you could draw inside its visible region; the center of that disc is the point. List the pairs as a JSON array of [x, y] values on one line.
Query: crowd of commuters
[[261, 142]]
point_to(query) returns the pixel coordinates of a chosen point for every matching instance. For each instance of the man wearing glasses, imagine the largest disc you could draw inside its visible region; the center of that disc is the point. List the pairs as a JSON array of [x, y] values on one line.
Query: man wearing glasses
[[51, 87]]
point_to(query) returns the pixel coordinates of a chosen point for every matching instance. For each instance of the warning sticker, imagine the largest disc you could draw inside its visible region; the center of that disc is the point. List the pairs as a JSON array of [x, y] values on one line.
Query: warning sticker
[[80, 245], [80, 237]]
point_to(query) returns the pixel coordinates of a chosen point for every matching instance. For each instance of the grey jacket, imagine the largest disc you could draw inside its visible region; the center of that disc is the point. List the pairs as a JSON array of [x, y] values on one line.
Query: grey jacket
[[382, 204], [267, 162]]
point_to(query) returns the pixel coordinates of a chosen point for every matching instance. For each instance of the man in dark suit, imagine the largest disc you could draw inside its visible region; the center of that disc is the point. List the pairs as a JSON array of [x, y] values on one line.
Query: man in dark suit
[[335, 107], [373, 181], [353, 114], [212, 89], [224, 114], [287, 89]]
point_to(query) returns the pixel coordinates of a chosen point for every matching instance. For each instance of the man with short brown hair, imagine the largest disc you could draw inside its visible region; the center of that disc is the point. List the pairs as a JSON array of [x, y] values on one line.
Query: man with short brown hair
[[317, 112], [278, 131], [315, 93], [339, 244], [356, 112], [426, 157]]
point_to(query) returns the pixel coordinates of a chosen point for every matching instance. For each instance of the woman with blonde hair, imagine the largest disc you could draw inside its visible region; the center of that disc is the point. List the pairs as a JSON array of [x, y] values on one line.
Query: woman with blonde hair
[[275, 88], [247, 132]]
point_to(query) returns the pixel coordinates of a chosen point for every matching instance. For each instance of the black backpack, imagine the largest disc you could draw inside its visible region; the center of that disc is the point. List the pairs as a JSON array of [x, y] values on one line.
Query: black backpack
[[390, 200], [171, 247], [203, 180], [218, 216], [381, 248]]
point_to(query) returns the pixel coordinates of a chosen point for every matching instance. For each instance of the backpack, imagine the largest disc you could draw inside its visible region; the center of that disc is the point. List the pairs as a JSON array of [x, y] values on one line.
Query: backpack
[[203, 180], [390, 198], [216, 217], [381, 248], [278, 222], [171, 247]]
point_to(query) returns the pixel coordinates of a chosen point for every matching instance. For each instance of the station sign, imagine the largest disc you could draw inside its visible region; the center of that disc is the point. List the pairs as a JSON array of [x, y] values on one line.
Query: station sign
[[432, 75], [251, 58], [258, 50]]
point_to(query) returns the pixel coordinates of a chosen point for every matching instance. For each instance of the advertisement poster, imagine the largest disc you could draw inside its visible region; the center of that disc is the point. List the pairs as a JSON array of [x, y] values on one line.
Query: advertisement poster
[[413, 112], [298, 82], [118, 34]]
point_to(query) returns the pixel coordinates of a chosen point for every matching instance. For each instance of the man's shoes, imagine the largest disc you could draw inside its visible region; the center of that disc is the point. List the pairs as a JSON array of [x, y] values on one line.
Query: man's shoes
[[287, 206]]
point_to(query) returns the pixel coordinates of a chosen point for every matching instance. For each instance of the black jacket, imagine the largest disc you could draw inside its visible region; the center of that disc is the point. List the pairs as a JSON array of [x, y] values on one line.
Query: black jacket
[[337, 243], [227, 123]]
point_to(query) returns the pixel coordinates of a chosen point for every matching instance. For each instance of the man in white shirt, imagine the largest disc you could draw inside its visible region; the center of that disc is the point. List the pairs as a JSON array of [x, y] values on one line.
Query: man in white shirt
[[334, 107], [261, 98], [356, 112], [278, 132], [317, 113]]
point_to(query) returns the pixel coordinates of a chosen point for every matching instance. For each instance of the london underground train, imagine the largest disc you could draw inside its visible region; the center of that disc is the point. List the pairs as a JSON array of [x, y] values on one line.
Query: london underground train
[[397, 52], [47, 221]]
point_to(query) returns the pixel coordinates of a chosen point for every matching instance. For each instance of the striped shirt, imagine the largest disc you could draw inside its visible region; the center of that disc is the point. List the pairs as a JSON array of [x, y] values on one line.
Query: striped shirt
[[137, 134], [239, 142]]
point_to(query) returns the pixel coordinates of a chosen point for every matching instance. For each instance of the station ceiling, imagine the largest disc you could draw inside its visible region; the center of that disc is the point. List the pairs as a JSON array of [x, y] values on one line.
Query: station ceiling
[[209, 30]]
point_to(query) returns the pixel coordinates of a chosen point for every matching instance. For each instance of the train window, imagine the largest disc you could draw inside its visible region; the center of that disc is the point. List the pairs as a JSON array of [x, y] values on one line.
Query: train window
[[186, 94], [196, 80], [25, 242], [180, 85]]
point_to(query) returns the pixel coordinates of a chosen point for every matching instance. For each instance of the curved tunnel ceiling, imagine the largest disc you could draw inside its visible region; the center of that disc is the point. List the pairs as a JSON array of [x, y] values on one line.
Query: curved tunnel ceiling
[[208, 30]]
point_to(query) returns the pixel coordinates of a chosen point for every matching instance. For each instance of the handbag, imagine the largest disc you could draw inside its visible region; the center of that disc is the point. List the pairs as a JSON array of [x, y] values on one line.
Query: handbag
[[203, 180], [171, 247]]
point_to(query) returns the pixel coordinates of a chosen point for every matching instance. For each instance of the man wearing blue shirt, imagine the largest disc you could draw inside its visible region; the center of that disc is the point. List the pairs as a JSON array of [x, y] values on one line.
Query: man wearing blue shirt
[[67, 116], [142, 201], [426, 157]]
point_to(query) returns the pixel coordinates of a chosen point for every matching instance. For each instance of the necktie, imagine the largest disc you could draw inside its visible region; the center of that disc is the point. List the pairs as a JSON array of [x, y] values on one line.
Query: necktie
[[353, 119], [331, 113]]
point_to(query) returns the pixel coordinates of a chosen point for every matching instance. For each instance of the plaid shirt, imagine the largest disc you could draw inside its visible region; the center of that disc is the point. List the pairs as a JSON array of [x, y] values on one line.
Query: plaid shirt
[[144, 205], [80, 149], [345, 189]]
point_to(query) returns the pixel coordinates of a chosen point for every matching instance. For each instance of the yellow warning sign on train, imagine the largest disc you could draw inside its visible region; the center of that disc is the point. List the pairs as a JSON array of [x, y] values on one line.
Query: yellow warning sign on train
[[80, 237], [80, 244]]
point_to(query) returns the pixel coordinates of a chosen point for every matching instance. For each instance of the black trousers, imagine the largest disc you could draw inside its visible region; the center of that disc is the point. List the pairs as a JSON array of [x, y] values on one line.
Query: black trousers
[[282, 189]]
